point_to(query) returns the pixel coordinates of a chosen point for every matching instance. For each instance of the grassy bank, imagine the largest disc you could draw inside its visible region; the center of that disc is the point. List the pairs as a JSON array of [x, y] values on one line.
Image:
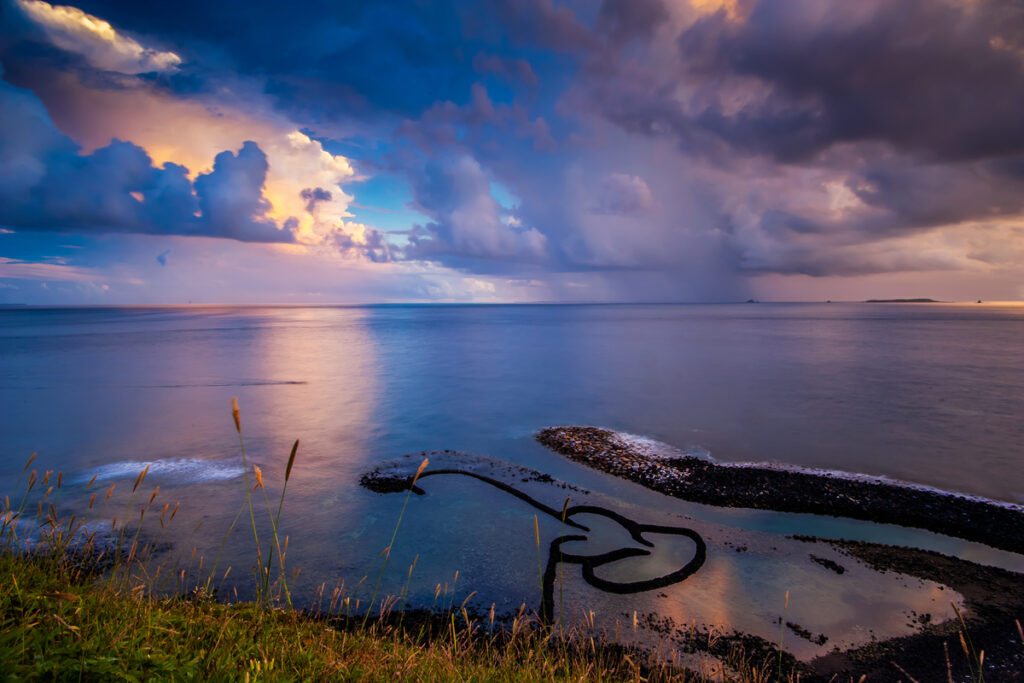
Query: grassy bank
[[60, 621]]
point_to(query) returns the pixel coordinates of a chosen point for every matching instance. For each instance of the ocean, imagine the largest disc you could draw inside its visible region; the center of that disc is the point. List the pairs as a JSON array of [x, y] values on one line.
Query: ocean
[[931, 394]]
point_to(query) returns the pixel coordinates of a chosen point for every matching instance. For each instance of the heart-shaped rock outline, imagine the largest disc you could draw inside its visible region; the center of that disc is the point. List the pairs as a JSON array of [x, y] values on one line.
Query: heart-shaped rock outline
[[587, 563]]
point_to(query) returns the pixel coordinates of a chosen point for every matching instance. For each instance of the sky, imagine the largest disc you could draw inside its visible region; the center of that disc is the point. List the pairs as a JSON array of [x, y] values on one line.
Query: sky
[[510, 151]]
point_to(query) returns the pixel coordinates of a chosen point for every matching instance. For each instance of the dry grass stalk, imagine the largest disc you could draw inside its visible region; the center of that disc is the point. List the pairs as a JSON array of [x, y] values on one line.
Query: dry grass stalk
[[291, 461], [139, 479]]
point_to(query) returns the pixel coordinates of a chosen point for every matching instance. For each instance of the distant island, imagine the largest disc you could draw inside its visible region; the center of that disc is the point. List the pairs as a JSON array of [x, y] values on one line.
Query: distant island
[[902, 301]]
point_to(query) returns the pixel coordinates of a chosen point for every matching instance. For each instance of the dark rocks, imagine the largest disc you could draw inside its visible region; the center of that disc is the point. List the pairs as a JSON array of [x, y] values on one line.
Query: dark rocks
[[829, 564], [994, 598], [701, 481]]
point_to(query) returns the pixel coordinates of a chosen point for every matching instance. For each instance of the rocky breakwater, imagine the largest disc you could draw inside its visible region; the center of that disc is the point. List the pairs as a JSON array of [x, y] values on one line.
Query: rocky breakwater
[[999, 525]]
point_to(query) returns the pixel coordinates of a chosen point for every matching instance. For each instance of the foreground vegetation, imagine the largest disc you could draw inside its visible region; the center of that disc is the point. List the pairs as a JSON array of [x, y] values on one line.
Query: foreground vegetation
[[58, 624], [77, 607]]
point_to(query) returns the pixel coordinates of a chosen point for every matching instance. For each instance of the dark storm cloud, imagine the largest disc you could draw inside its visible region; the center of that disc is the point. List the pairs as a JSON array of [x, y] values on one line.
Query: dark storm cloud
[[913, 106], [928, 195], [47, 185], [941, 79], [625, 20]]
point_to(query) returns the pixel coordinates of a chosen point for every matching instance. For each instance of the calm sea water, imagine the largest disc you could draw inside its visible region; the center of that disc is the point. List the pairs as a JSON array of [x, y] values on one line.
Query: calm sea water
[[932, 394]]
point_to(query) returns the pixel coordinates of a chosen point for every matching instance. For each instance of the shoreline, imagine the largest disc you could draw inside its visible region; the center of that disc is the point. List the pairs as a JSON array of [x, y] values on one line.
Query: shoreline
[[994, 597], [698, 480]]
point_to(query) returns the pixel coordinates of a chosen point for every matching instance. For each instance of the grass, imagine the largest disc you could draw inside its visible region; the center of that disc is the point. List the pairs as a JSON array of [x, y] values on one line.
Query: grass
[[58, 623], [77, 607]]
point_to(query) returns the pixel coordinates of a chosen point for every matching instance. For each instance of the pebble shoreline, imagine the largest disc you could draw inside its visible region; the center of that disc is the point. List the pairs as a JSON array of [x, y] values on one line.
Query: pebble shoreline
[[700, 481], [994, 597]]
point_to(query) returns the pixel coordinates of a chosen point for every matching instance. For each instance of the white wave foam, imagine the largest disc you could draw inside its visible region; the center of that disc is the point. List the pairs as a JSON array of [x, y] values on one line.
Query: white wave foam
[[657, 450], [184, 470]]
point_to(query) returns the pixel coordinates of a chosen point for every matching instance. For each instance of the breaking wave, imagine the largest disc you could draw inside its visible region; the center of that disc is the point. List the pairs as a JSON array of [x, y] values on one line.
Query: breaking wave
[[183, 470]]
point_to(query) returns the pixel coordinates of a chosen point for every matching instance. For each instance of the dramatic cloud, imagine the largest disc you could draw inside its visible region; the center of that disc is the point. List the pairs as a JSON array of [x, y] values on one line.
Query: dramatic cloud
[[467, 223], [941, 78], [95, 39], [825, 129], [627, 149], [46, 184]]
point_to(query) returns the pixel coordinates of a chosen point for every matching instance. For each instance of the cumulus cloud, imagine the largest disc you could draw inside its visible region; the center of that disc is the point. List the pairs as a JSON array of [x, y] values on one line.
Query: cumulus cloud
[[467, 221], [231, 200], [47, 184], [362, 240]]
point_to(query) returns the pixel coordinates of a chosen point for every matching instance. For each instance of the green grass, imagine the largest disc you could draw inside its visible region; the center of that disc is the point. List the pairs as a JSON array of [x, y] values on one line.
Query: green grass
[[57, 622]]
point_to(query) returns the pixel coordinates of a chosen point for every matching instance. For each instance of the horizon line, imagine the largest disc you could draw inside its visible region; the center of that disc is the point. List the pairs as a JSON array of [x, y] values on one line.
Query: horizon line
[[292, 304]]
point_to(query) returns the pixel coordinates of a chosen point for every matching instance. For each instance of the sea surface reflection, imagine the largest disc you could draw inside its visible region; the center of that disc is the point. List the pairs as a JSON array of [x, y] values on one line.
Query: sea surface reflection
[[929, 394]]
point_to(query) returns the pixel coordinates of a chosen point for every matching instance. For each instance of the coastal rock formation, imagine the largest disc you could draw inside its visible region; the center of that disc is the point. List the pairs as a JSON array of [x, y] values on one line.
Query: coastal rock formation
[[703, 481]]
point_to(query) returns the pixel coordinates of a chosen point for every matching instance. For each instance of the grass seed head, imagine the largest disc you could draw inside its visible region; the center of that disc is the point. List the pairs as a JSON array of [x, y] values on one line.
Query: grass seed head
[[291, 460], [423, 466], [235, 414], [139, 479]]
